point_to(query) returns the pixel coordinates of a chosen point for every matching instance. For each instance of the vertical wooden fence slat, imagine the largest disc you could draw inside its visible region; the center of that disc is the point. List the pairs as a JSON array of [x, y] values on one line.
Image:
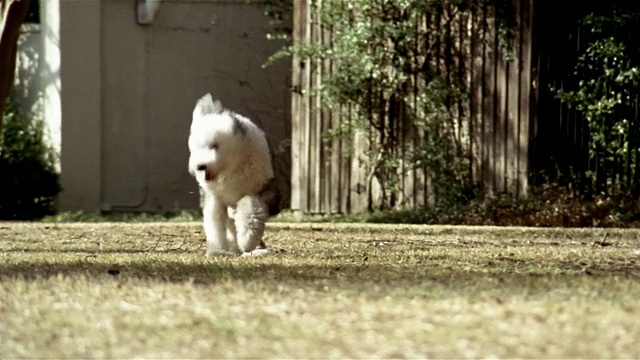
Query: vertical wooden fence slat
[[326, 175], [324, 116], [337, 157], [436, 68], [315, 144], [324, 122], [476, 85], [465, 65], [431, 43], [459, 55], [298, 162], [501, 113], [346, 182], [525, 93], [489, 96], [417, 136], [307, 108], [407, 174], [513, 115]]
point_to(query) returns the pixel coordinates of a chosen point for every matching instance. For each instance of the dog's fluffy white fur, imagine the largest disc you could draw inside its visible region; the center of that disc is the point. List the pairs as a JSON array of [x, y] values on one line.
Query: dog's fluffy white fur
[[230, 159]]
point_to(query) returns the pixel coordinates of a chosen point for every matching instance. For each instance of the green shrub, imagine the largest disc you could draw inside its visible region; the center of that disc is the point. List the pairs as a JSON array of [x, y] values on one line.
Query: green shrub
[[28, 180], [603, 88]]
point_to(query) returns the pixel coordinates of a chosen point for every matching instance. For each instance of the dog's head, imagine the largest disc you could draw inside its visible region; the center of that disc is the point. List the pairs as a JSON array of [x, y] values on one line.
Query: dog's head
[[216, 140]]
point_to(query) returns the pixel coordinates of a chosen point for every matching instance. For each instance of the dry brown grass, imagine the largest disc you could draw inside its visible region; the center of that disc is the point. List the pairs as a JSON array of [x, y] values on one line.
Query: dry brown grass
[[360, 291]]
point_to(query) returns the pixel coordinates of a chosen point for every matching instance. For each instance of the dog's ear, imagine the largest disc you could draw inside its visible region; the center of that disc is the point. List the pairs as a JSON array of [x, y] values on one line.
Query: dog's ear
[[238, 127], [207, 105]]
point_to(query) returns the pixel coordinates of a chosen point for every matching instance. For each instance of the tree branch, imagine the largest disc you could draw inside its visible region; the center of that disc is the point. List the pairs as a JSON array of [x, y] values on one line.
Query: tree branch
[[12, 15]]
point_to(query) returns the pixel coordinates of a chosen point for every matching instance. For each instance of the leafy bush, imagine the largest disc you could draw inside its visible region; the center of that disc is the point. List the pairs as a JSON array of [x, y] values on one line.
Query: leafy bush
[[28, 179], [606, 82]]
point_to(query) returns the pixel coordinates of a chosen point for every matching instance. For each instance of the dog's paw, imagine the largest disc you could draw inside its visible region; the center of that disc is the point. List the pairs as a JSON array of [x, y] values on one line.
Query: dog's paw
[[260, 251], [220, 252]]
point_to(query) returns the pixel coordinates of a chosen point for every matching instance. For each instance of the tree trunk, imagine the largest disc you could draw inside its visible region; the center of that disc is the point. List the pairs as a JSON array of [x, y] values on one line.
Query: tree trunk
[[12, 15]]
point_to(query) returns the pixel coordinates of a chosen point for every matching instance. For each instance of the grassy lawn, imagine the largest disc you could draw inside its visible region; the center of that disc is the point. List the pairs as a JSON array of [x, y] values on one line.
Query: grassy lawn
[[145, 290]]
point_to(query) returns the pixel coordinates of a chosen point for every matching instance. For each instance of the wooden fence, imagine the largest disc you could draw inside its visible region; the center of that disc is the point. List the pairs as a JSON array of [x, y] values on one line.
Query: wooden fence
[[493, 123]]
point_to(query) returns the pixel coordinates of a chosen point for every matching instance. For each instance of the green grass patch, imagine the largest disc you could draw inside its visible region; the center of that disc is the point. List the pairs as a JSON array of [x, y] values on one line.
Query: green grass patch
[[146, 290]]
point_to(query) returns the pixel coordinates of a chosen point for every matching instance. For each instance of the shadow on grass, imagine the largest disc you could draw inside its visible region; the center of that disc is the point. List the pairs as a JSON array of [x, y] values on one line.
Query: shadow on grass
[[208, 271], [89, 251], [368, 279]]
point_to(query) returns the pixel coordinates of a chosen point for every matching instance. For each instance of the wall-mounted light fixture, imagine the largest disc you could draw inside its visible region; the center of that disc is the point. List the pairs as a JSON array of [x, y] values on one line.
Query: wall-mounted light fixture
[[146, 11]]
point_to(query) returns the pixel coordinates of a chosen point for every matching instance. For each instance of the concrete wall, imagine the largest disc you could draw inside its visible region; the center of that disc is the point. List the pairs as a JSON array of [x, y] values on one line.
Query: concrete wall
[[81, 157], [126, 93]]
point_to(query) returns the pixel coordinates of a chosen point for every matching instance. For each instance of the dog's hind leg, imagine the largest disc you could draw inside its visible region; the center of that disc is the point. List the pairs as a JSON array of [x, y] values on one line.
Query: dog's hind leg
[[215, 227], [251, 216]]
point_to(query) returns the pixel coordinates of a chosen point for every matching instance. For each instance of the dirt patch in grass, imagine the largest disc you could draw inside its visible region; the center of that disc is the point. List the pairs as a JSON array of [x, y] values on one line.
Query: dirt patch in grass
[[327, 290]]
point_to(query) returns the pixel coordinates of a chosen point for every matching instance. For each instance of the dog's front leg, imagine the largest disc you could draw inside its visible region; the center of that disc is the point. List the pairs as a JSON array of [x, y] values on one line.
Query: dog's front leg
[[215, 220], [251, 216], [232, 243]]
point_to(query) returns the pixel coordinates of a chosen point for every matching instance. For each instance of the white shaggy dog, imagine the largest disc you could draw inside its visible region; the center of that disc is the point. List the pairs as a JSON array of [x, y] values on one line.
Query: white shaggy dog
[[231, 161]]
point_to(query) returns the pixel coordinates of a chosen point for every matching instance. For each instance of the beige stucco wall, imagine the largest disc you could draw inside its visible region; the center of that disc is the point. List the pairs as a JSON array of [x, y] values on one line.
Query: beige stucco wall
[[127, 92], [81, 157]]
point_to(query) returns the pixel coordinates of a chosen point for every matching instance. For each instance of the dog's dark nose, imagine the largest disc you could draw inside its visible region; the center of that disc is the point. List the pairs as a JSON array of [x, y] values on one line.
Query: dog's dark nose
[[201, 167]]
